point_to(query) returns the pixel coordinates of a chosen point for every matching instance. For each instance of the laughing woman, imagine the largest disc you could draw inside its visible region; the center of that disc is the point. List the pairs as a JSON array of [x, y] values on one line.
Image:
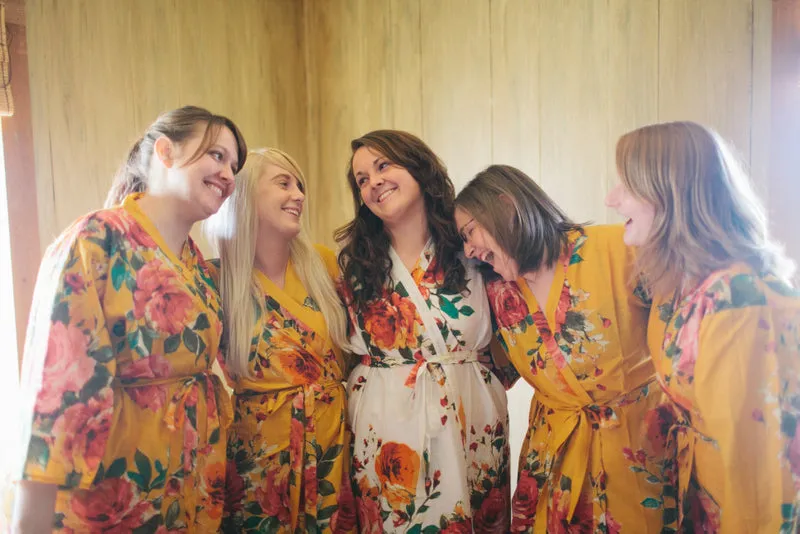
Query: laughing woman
[[575, 327], [429, 419], [725, 336], [288, 450]]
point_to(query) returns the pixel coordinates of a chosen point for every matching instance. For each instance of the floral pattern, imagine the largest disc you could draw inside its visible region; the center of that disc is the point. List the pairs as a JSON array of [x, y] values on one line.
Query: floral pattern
[[584, 352], [288, 448], [123, 330], [727, 356], [425, 457]]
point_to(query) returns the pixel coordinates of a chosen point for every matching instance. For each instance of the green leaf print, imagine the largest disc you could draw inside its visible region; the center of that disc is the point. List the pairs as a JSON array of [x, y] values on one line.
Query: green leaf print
[[670, 515], [172, 343], [137, 262], [447, 307], [173, 512], [60, 313], [118, 274], [117, 468], [331, 455], [214, 438], [143, 465], [73, 480], [325, 488], [466, 311], [565, 484], [745, 292], [151, 526], [202, 322], [99, 380], [310, 303], [651, 503], [416, 529], [255, 523], [430, 529], [103, 354], [400, 290], [327, 512], [119, 328], [191, 340]]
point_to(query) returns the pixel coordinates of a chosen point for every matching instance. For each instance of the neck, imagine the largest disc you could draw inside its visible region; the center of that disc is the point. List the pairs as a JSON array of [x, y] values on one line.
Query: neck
[[272, 256], [163, 213], [409, 236]]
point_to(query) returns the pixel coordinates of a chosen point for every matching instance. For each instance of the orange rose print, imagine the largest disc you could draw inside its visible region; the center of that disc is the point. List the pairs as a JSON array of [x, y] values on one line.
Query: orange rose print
[[392, 322], [397, 467]]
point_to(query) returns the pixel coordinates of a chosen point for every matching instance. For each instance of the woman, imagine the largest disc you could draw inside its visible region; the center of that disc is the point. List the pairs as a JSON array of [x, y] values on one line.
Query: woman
[[725, 336], [125, 424], [429, 420], [288, 449], [575, 329]]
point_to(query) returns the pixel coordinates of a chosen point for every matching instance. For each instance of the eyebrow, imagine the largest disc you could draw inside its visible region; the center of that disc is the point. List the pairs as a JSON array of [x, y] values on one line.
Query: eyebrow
[[461, 230], [374, 162]]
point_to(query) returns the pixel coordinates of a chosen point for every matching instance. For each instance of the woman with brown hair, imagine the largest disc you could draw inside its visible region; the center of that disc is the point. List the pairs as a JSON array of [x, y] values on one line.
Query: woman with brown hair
[[125, 423], [574, 324], [725, 335], [429, 419]]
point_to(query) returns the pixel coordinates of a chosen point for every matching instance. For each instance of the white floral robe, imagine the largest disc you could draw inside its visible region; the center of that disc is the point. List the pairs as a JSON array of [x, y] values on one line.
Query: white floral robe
[[429, 420]]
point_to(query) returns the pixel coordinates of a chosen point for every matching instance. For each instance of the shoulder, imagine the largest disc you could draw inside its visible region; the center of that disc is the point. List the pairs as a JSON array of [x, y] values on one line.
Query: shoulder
[[329, 259]]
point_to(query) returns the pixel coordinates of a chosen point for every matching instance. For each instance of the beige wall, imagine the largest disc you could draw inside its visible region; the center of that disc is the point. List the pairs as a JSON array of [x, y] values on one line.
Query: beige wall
[[545, 85], [101, 71]]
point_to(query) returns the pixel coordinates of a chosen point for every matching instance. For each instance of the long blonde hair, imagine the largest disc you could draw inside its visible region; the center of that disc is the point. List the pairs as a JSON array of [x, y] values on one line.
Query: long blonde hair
[[233, 232], [707, 215]]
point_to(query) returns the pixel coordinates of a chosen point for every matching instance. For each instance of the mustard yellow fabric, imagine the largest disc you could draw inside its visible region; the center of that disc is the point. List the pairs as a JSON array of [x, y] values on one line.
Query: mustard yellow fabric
[[121, 409], [582, 466], [289, 447]]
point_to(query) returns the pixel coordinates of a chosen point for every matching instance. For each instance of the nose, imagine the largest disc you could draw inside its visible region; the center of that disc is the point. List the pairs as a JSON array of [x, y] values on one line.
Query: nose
[[469, 249], [298, 195], [376, 181], [226, 173], [612, 198]]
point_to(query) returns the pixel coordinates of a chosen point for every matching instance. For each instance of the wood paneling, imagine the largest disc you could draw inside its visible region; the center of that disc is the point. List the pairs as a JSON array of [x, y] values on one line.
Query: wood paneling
[[457, 85], [705, 66], [784, 179], [20, 189], [102, 71]]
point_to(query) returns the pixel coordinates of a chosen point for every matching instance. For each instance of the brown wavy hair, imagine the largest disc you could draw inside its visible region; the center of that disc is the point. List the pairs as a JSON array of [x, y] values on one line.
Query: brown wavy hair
[[364, 256], [707, 215]]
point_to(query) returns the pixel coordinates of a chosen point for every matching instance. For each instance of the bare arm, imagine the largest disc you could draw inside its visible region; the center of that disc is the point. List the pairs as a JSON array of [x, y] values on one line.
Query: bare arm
[[34, 508]]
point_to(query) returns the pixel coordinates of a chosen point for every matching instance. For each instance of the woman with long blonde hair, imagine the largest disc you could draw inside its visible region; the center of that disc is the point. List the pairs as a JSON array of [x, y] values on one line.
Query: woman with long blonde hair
[[724, 331], [288, 446]]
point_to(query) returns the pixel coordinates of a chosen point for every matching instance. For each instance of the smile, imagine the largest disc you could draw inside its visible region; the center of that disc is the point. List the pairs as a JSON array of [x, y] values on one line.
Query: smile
[[216, 188], [383, 196], [293, 211]]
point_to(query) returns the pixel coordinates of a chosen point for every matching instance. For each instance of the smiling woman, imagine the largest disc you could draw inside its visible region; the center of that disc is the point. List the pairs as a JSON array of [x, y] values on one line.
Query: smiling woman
[[125, 423]]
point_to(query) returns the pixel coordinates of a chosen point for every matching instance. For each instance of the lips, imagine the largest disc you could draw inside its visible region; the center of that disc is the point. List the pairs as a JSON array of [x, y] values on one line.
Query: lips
[[216, 188], [386, 194], [293, 211]]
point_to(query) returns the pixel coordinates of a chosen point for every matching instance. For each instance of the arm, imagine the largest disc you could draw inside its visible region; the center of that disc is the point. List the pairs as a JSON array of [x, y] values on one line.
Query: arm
[[738, 399], [68, 367], [34, 506]]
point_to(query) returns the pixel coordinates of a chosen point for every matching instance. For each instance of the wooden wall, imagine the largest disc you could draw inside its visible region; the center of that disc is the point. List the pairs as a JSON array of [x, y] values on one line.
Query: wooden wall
[[101, 72], [546, 85]]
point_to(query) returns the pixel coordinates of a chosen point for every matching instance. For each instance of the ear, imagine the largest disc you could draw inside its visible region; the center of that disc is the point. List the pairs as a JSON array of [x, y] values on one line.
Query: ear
[[164, 149]]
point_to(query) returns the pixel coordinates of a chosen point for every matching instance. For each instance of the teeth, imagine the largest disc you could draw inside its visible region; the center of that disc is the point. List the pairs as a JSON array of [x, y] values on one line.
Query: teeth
[[293, 211], [217, 189], [385, 194]]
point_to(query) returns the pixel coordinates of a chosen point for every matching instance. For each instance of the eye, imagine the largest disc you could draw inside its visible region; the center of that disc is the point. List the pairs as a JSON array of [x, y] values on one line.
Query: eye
[[382, 165], [216, 154], [361, 181]]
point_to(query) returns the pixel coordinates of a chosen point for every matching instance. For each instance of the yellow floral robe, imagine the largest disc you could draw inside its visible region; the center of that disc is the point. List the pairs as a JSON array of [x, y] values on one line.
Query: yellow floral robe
[[585, 354], [288, 449], [120, 407], [728, 356]]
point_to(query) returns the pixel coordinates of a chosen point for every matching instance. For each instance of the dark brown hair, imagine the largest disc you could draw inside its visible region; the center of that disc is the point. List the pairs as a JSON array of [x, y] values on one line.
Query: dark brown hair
[[364, 258], [178, 125], [527, 224]]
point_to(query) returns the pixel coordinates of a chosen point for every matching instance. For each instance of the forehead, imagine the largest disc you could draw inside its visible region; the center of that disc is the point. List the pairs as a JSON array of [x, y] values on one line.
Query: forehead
[[364, 157]]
